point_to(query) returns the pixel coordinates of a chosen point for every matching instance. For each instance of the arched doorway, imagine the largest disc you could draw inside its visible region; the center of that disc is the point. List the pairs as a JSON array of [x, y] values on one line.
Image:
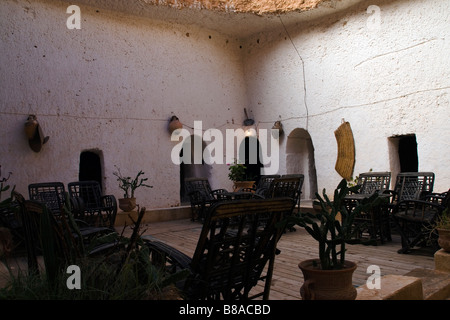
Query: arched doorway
[[300, 159], [91, 166], [192, 163]]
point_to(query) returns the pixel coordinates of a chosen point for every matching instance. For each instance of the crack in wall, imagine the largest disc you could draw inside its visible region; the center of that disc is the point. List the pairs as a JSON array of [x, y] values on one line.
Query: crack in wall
[[396, 51], [380, 101]]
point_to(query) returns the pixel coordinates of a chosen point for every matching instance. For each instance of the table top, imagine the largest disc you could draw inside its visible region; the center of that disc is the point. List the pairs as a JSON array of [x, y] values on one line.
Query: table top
[[360, 196]]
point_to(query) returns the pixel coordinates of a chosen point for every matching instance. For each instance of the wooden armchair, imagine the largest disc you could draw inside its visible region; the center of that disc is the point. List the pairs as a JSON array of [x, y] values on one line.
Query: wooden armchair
[[262, 186], [285, 186], [93, 207], [375, 222], [54, 237], [412, 186], [201, 195], [53, 196], [415, 220], [235, 251], [371, 182]]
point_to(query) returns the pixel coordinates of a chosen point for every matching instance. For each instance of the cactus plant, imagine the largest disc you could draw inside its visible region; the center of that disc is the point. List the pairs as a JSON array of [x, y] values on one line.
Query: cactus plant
[[333, 226]]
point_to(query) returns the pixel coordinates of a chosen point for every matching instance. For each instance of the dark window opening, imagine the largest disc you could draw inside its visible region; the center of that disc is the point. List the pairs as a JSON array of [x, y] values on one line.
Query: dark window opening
[[90, 167], [407, 153]]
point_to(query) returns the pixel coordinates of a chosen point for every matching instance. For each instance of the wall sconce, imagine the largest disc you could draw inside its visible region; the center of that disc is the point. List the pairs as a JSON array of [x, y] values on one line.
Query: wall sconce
[[174, 124], [34, 133], [277, 126], [248, 126]]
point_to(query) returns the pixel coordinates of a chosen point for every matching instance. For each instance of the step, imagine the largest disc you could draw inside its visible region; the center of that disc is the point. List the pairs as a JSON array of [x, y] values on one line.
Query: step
[[393, 287], [436, 283]]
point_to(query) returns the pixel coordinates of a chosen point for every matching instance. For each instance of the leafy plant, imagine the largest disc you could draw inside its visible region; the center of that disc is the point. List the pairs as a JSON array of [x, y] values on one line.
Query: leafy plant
[[237, 172], [5, 187], [129, 185], [444, 220], [333, 226]]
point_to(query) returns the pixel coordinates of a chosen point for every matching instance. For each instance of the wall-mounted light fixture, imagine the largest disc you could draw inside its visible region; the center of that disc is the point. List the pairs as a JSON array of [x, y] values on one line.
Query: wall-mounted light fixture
[[33, 131], [174, 124], [248, 125]]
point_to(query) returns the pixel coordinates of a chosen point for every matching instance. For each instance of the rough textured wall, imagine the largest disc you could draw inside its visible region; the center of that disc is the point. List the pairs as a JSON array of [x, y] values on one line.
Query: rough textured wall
[[388, 76], [252, 6], [110, 87]]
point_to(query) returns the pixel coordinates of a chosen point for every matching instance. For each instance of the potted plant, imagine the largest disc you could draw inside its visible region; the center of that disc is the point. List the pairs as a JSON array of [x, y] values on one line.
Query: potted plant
[[329, 277], [237, 174], [443, 229], [128, 185]]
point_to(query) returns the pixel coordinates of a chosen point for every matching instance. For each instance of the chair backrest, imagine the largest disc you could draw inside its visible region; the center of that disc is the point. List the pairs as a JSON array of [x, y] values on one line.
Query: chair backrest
[[235, 245], [287, 186], [95, 208], [371, 182], [43, 235], [413, 185], [266, 180], [200, 185], [52, 194]]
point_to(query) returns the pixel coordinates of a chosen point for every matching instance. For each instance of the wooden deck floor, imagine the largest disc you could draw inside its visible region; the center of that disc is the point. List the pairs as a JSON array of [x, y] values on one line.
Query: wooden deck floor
[[295, 247]]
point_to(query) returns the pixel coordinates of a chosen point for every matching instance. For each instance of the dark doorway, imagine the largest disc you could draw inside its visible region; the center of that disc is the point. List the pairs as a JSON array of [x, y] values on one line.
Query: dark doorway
[[191, 167], [407, 153], [90, 167], [252, 161]]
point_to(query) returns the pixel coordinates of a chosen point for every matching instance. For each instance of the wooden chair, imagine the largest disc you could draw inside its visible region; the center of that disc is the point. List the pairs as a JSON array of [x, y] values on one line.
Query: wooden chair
[[53, 195], [415, 220], [201, 195], [371, 182], [412, 186], [285, 186], [94, 207], [230, 259], [374, 223], [54, 237], [263, 185]]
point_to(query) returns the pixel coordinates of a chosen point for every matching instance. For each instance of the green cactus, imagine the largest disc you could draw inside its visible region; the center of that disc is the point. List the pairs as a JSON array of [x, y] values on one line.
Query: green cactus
[[332, 233]]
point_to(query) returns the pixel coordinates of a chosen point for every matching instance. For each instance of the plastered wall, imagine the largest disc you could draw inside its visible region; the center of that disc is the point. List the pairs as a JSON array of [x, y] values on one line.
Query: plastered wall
[[111, 86], [383, 66]]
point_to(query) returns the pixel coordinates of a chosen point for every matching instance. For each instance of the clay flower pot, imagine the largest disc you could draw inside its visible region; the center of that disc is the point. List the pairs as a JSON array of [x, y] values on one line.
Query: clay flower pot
[[327, 284], [127, 204], [174, 124], [444, 239]]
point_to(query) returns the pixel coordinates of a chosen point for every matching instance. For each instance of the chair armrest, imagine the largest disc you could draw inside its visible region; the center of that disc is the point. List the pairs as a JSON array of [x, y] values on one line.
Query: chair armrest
[[167, 255], [218, 193]]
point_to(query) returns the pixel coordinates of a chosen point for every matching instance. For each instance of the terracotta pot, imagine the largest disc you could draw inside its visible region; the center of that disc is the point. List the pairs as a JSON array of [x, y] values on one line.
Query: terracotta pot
[[174, 124], [444, 239], [127, 204], [31, 126], [237, 185], [327, 284]]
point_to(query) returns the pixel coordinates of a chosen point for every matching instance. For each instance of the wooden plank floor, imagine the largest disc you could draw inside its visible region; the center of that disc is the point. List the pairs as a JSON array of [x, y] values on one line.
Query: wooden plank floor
[[295, 247]]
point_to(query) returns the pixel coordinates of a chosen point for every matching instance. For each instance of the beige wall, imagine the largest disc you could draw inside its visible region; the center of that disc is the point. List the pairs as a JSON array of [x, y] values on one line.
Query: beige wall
[[386, 80], [112, 86]]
